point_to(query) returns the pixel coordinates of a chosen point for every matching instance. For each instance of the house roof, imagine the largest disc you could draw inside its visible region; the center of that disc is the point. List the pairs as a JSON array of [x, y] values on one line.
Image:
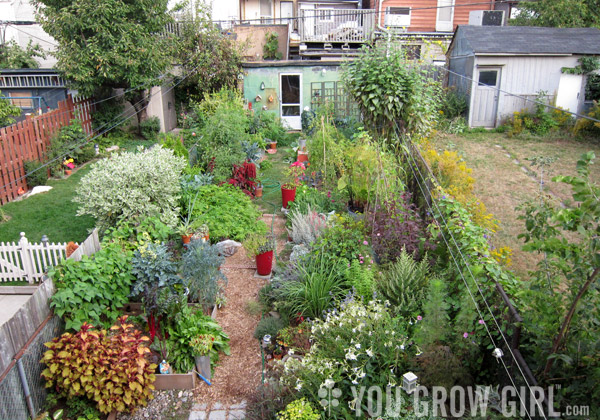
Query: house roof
[[529, 40]]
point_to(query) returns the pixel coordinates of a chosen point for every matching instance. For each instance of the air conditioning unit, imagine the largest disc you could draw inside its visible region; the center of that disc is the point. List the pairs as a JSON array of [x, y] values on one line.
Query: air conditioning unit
[[397, 17], [486, 17]]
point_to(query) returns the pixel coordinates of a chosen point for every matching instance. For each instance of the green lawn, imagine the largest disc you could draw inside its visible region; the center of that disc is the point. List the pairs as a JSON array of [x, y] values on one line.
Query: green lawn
[[51, 213], [273, 177]]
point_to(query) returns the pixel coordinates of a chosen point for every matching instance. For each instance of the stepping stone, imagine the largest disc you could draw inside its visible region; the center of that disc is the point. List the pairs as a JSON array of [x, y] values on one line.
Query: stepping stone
[[237, 414], [262, 277], [217, 406], [197, 415], [242, 405], [199, 407], [218, 415], [39, 189]]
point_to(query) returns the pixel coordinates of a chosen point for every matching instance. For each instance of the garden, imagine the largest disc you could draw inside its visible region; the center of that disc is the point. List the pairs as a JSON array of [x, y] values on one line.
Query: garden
[[297, 271]]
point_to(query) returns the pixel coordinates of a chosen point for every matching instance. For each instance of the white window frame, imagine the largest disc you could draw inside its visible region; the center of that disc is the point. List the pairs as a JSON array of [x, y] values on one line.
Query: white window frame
[[445, 26], [388, 14]]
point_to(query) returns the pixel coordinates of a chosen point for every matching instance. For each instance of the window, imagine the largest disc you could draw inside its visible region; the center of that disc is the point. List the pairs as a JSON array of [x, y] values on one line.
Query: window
[[397, 16], [445, 16], [413, 52], [266, 9], [488, 77], [21, 103]]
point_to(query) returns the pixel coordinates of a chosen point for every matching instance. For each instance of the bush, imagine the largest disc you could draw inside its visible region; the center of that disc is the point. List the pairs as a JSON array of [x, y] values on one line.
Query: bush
[[306, 228], [318, 201], [84, 154], [201, 272], [63, 144], [299, 410], [132, 184], [453, 104], [150, 128], [39, 177], [270, 326], [173, 142], [404, 284], [271, 46], [586, 126], [227, 211], [344, 239], [107, 367], [108, 114], [360, 275], [93, 289]]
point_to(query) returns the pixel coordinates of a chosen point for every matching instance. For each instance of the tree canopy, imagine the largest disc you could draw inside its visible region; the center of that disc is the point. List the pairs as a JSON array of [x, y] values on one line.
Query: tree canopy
[[12, 56], [109, 43], [559, 13]]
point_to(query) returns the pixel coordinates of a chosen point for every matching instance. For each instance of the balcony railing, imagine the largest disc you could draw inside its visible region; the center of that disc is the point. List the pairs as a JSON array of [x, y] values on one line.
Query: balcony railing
[[336, 25]]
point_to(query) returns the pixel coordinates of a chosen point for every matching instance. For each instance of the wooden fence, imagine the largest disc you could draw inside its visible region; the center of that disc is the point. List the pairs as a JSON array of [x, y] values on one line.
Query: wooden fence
[[30, 140], [29, 262]]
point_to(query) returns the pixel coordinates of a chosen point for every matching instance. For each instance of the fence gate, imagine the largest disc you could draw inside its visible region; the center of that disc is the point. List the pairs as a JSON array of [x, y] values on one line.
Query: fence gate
[[334, 95]]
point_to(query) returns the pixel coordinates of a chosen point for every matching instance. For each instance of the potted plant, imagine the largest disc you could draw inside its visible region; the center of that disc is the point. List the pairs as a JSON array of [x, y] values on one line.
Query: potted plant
[[69, 164], [262, 248], [272, 146], [288, 189], [277, 353], [201, 346], [258, 188], [200, 231], [185, 229]]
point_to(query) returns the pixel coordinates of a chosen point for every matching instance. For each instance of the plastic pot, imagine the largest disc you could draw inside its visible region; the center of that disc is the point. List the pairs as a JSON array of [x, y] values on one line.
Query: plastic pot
[[264, 263], [302, 157], [186, 239], [287, 195], [258, 192]]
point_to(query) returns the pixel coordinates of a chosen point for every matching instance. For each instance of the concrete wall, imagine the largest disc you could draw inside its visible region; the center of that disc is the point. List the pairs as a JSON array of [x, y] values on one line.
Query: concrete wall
[[162, 105], [254, 38], [270, 77]]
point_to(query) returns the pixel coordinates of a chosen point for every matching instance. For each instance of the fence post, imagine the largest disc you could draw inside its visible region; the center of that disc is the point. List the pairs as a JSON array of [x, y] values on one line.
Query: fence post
[[26, 258]]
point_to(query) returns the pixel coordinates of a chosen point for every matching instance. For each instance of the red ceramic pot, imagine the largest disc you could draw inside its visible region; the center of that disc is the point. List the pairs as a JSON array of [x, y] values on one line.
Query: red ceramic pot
[[287, 195], [186, 238], [264, 263]]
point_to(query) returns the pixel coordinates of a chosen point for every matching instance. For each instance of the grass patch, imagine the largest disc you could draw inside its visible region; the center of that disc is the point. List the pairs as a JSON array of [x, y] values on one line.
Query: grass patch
[[498, 164], [51, 213], [272, 178]]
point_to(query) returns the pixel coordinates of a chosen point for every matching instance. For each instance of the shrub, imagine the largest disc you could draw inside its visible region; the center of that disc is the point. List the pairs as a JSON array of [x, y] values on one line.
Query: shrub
[[136, 232], [453, 104], [326, 148], [93, 289], [299, 410], [201, 272], [39, 175], [107, 367], [107, 114], [63, 143], [270, 326], [395, 226], [586, 126], [270, 49], [173, 142], [227, 211], [344, 239], [306, 228], [150, 128], [360, 275], [84, 154], [318, 201], [132, 184], [404, 284]]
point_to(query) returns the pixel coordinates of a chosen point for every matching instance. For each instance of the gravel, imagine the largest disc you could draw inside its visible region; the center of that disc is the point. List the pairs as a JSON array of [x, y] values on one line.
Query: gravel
[[166, 405]]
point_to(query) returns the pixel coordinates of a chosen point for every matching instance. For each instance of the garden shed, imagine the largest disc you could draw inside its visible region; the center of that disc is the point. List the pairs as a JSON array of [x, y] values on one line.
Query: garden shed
[[500, 69], [288, 87]]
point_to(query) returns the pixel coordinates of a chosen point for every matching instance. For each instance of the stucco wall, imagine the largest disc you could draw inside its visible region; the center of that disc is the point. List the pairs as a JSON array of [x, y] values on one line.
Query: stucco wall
[[254, 37], [270, 77]]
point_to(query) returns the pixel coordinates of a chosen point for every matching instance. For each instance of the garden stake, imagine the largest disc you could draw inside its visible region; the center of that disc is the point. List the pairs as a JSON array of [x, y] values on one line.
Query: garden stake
[[203, 378]]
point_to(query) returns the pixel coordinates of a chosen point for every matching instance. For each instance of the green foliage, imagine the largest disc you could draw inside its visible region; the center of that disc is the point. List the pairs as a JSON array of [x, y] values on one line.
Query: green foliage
[[268, 325], [134, 233], [268, 126], [107, 367], [558, 13], [93, 289], [66, 142], [81, 408], [201, 272], [150, 128], [434, 328], [189, 324], [299, 410], [317, 200], [115, 44], [107, 114], [391, 89], [306, 228], [39, 177], [361, 276], [227, 211], [586, 126], [344, 239], [592, 87], [453, 104], [132, 184], [258, 243], [173, 142], [157, 279], [7, 112], [271, 47], [405, 284], [326, 148], [12, 56]]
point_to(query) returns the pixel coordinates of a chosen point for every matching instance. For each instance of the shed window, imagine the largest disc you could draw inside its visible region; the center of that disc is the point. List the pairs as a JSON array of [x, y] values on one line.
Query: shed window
[[488, 77], [22, 103]]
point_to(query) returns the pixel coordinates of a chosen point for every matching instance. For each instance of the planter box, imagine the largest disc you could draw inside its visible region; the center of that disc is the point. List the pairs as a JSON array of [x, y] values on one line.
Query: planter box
[[175, 381]]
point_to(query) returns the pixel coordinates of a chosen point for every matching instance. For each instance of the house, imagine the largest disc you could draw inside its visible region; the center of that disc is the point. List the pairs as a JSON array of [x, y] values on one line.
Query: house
[[286, 88], [33, 90], [501, 69], [425, 27]]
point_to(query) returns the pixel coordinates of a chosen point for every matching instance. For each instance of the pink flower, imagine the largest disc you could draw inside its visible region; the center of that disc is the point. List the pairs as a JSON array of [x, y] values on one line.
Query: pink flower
[[419, 317], [194, 134], [481, 321], [297, 165], [365, 243], [70, 165], [465, 335], [361, 261]]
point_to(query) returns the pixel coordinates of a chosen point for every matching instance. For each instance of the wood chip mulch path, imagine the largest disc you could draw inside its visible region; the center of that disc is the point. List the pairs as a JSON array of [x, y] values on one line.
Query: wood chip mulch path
[[237, 376]]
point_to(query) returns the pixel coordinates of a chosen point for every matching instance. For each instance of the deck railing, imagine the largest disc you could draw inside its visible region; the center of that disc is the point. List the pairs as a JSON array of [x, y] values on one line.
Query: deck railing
[[336, 25]]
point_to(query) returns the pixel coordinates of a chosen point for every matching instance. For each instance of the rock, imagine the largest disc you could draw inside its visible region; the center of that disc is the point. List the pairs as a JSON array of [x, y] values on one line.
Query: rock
[[39, 189], [228, 248], [180, 394]]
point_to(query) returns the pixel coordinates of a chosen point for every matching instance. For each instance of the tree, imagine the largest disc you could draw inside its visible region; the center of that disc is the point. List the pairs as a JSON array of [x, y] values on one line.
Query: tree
[[7, 112], [559, 13], [12, 56], [215, 59], [109, 44]]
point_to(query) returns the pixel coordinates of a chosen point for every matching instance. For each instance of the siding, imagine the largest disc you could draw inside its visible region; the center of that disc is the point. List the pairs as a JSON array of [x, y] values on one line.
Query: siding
[[425, 20]]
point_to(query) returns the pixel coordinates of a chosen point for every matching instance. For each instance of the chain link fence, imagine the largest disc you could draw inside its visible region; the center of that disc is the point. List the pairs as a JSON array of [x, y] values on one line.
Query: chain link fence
[[13, 404]]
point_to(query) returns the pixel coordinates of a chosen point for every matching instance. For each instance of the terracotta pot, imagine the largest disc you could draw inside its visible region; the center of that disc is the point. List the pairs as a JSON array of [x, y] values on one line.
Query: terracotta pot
[[273, 145], [258, 192], [287, 195], [186, 238], [277, 356], [68, 172], [264, 263]]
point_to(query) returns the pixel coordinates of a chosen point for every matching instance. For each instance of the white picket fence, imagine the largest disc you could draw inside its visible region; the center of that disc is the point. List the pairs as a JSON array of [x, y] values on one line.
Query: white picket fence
[[29, 262]]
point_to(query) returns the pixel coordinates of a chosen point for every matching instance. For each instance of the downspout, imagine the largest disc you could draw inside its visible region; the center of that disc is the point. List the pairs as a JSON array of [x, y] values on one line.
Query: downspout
[[381, 28]]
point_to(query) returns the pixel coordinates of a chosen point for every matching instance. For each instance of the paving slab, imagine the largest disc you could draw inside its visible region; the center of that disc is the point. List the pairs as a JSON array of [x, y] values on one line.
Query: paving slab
[[218, 415], [10, 304]]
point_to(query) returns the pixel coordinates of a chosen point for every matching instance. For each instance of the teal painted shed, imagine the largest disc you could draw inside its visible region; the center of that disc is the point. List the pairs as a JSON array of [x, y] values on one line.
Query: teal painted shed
[[289, 87]]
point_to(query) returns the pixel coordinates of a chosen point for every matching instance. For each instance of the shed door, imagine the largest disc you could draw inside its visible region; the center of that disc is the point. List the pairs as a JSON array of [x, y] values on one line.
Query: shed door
[[485, 100], [569, 89], [291, 100]]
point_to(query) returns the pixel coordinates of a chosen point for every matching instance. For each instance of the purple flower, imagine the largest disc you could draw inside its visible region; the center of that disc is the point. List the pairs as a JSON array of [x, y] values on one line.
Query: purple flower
[[481, 321], [465, 335], [419, 317], [365, 243]]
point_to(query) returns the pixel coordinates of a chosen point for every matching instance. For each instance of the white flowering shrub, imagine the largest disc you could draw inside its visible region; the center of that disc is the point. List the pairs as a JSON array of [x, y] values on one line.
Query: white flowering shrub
[[132, 184], [359, 344]]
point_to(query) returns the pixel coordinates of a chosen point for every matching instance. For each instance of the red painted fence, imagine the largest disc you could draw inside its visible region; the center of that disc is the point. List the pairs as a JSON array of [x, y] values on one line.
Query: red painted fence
[[30, 139]]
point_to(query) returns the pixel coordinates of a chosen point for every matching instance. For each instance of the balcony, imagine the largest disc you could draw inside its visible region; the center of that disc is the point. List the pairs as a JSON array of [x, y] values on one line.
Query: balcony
[[336, 25]]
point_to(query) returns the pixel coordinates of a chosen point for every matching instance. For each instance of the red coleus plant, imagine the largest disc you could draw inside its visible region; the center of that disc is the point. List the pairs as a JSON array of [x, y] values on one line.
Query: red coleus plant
[[243, 177], [109, 367]]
